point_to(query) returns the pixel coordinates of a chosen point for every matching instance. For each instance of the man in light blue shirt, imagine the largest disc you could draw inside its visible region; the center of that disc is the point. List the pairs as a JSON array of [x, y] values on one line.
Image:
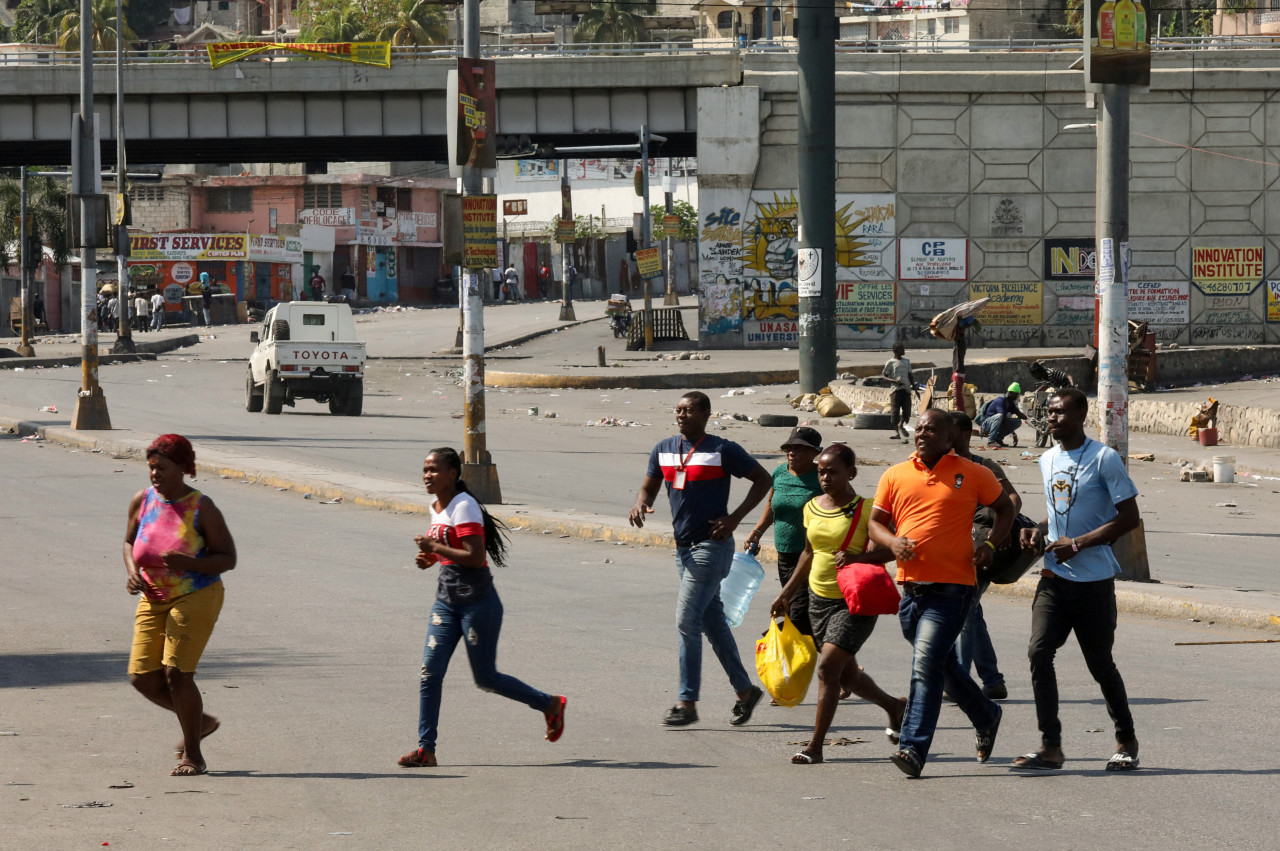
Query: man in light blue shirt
[[1091, 501]]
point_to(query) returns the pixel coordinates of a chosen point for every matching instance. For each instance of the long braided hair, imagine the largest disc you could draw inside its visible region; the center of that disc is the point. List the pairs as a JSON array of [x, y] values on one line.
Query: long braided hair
[[495, 539]]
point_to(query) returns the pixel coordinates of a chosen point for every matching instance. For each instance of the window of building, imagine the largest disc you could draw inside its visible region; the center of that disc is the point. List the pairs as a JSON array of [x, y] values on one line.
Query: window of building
[[933, 26], [217, 269], [724, 22], [224, 5], [229, 199], [146, 194], [364, 201], [951, 25], [322, 196], [404, 200]]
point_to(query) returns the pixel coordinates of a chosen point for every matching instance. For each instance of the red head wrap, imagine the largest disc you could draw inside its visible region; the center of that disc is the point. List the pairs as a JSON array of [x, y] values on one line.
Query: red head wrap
[[177, 449]]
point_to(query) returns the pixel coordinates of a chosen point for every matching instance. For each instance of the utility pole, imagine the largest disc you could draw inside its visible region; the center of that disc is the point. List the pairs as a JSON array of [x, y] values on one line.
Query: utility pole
[[1112, 236], [566, 211], [26, 263], [124, 335], [646, 229], [816, 210], [1113, 267], [477, 465], [91, 405], [671, 297]]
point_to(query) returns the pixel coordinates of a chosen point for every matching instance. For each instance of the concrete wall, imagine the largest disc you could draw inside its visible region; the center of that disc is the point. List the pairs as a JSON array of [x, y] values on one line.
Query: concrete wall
[[965, 156]]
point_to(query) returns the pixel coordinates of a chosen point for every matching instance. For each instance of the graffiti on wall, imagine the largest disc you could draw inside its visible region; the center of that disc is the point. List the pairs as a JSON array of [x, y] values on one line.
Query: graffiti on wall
[[720, 306]]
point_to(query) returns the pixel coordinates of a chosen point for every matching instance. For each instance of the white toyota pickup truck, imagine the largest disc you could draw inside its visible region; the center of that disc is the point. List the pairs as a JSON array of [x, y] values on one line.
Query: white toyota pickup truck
[[306, 350]]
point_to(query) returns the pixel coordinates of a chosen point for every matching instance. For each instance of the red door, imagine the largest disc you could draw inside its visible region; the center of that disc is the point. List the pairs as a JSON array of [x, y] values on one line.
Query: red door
[[530, 276]]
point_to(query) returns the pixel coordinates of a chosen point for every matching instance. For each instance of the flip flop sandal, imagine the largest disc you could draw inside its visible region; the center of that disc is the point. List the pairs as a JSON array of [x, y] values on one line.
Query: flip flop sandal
[[195, 771], [1035, 762], [555, 718], [805, 758], [1122, 761]]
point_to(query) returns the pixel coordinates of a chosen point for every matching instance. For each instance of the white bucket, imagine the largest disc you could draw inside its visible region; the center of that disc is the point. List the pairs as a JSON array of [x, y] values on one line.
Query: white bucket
[[1224, 468]]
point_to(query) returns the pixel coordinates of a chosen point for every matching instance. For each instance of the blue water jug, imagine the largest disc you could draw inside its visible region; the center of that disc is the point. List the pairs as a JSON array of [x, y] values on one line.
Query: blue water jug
[[739, 587]]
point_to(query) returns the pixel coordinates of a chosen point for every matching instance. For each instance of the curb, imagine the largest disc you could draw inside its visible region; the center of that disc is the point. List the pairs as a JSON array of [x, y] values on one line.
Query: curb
[[532, 520], [675, 381], [144, 351], [523, 338]]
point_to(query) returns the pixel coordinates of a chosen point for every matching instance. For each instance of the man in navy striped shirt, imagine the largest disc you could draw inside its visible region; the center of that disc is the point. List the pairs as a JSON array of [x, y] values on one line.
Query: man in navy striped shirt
[[697, 469]]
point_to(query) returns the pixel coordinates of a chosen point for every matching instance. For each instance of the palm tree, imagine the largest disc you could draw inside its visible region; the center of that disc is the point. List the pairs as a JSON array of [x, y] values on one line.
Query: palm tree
[[103, 27], [46, 204], [415, 22], [343, 23], [613, 22], [36, 21]]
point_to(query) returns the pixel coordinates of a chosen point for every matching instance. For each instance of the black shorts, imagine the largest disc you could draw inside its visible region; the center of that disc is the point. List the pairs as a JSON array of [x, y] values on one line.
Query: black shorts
[[834, 624], [798, 609], [900, 406]]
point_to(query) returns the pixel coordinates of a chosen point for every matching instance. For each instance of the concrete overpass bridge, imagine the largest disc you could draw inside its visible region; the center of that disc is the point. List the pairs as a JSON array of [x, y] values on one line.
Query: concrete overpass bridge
[[958, 175], [294, 110]]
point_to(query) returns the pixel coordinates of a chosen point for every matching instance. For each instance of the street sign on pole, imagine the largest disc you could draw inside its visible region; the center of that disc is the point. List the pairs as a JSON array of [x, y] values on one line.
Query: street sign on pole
[[649, 262]]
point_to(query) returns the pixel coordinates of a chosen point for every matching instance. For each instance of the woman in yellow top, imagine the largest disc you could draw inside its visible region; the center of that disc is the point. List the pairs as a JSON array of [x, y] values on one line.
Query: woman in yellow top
[[835, 535]]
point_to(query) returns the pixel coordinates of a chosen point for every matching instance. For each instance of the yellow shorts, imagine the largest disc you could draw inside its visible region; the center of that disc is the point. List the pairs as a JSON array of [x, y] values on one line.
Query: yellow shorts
[[174, 634]]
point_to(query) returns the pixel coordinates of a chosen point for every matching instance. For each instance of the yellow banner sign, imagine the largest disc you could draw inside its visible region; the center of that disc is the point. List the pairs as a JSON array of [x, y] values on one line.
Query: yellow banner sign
[[566, 230], [649, 262], [480, 231], [363, 53], [1011, 303], [1211, 265]]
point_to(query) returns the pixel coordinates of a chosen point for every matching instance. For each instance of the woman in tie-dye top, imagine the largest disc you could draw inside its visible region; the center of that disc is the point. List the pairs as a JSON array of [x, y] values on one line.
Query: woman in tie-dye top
[[176, 548]]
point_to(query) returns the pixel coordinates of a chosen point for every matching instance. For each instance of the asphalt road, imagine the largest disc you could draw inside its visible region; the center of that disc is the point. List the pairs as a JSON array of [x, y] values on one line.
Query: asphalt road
[[313, 669]]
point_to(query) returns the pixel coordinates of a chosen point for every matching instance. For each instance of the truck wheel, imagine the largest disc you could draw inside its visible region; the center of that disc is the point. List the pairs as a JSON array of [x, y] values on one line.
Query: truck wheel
[[252, 394], [337, 404], [274, 393], [353, 404], [280, 330]]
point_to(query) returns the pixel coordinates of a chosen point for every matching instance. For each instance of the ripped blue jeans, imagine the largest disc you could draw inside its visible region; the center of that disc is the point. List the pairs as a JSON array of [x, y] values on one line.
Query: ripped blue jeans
[[479, 621]]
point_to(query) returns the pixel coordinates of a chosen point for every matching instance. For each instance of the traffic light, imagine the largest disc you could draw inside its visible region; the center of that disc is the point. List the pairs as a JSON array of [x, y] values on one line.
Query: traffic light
[[35, 251], [522, 147]]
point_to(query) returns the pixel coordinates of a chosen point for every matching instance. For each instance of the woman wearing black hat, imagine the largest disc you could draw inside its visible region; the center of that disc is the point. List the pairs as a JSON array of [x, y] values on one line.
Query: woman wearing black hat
[[794, 484]]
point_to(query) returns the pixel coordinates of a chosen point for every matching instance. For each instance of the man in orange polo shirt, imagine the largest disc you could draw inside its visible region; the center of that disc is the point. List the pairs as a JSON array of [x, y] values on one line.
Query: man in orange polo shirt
[[924, 513]]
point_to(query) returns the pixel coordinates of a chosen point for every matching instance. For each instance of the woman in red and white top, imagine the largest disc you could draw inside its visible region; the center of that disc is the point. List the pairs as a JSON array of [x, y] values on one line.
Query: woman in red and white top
[[462, 539]]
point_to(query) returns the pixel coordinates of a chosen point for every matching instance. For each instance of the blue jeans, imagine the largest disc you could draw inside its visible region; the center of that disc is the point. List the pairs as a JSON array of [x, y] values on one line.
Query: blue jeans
[[999, 426], [157, 320], [480, 621], [974, 647], [702, 567], [931, 620]]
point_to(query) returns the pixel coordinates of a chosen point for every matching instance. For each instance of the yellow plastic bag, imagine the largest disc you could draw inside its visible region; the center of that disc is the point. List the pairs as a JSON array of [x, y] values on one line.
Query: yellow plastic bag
[[785, 661]]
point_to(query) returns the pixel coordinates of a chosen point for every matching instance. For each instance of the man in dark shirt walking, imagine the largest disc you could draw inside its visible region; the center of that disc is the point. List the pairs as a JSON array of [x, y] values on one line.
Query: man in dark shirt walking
[[696, 468]]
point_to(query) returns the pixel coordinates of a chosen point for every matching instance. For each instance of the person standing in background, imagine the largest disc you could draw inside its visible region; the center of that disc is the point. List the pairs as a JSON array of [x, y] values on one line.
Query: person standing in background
[[974, 648], [157, 311], [141, 317], [317, 284], [898, 370]]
